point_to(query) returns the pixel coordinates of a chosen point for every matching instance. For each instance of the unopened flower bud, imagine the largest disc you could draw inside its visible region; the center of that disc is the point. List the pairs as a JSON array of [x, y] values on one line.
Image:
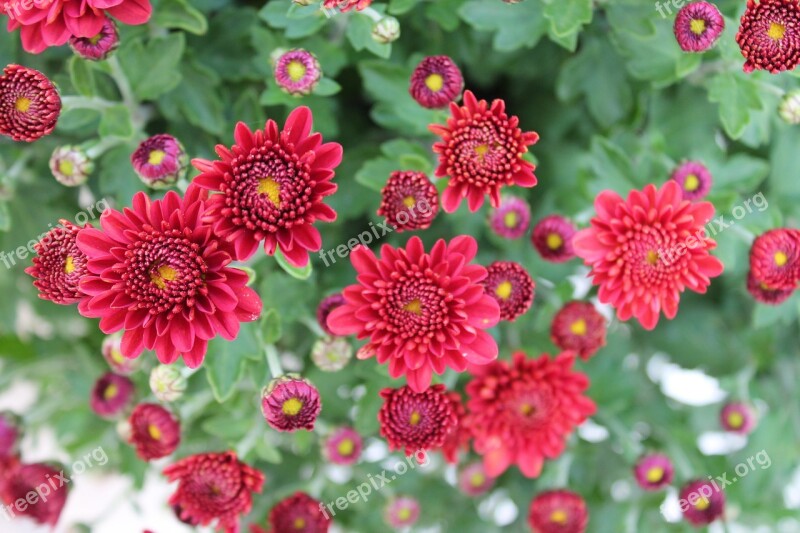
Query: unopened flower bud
[[331, 354], [386, 30], [160, 161], [70, 165], [167, 383], [789, 109]]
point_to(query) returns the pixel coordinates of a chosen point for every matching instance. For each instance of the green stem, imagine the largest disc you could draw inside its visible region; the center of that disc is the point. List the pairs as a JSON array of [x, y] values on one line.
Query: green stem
[[562, 474], [84, 102], [273, 361], [371, 13], [124, 86], [102, 147]]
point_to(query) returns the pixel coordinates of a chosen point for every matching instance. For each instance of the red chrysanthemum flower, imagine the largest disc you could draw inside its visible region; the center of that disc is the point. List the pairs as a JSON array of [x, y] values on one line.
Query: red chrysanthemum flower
[[481, 151], [299, 513], [701, 502], [158, 272], [110, 394], [290, 403], [763, 294], [29, 104], [511, 286], [214, 486], [436, 82], [154, 431], [272, 185], [522, 412], [775, 259], [21, 480], [552, 238], [458, 438], [737, 417], [410, 201], [326, 307], [558, 511], [654, 471], [47, 23], [343, 446], [473, 480], [646, 250], [160, 161], [416, 421], [346, 5], [59, 265], [769, 35], [297, 71], [98, 47], [698, 26], [579, 327], [694, 178], [511, 219], [422, 312]]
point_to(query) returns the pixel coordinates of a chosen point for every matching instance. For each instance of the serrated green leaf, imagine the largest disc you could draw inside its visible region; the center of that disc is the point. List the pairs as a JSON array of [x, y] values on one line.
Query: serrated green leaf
[[152, 68], [181, 15], [515, 25], [81, 75], [115, 121], [737, 94]]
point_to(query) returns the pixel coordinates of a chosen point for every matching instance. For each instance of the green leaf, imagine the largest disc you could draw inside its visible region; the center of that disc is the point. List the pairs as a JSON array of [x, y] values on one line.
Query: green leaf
[[515, 25], [276, 14], [359, 33], [116, 122], [5, 219], [611, 166], [268, 452], [327, 87], [302, 273], [181, 15], [374, 173], [81, 75], [399, 7], [445, 13], [737, 94], [225, 363], [566, 18], [153, 69], [198, 99], [232, 429], [271, 327]]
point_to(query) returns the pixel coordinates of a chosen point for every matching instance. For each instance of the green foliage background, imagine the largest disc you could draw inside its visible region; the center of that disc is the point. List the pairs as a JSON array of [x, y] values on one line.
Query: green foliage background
[[617, 105]]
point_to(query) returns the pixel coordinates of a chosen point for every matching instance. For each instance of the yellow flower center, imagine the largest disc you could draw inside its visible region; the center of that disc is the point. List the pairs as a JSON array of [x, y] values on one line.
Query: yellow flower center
[[477, 479], [503, 291], [578, 327], [154, 432], [526, 409], [481, 150], [110, 392], [776, 31], [69, 265], [409, 201], [652, 257], [163, 275], [346, 447], [655, 474], [735, 420], [554, 241], [434, 82], [691, 183], [291, 407], [404, 514], [296, 70], [66, 167], [702, 504], [96, 38], [780, 258], [156, 157], [414, 306], [299, 523], [415, 418], [698, 26], [117, 356], [271, 189], [559, 516], [510, 220], [22, 104]]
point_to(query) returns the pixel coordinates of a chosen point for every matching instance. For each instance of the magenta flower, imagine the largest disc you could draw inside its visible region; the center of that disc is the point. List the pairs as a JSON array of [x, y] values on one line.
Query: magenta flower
[[694, 179], [552, 238], [160, 161], [474, 481], [297, 71], [343, 447], [402, 512], [436, 82], [511, 219], [99, 46], [111, 394], [737, 417], [290, 403], [654, 471], [698, 26], [29, 104]]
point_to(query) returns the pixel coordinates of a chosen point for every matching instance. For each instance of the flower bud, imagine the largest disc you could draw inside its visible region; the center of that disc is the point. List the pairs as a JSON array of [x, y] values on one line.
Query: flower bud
[[160, 161], [331, 354], [290, 402], [386, 30], [100, 46], [167, 383], [70, 165], [113, 356], [789, 109], [297, 71]]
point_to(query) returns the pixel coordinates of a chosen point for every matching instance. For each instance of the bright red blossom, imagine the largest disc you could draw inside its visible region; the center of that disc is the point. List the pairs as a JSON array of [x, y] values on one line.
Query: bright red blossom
[[20, 480], [272, 185], [769, 35], [157, 272], [154, 431], [775, 259], [111, 394], [558, 511], [416, 421], [521, 412], [578, 326], [299, 513], [511, 286], [213, 486], [422, 312], [59, 265], [646, 250], [552, 238], [29, 104], [481, 151], [763, 294], [410, 201]]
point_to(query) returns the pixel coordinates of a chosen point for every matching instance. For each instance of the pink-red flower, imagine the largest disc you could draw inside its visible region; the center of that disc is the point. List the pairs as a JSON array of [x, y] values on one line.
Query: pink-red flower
[[481, 151], [474, 481], [47, 23], [436, 82], [214, 486], [346, 5], [422, 312], [694, 178], [29, 104], [698, 25], [99, 46], [160, 161], [290, 403], [511, 286], [646, 250], [416, 421], [701, 502], [154, 431], [522, 412], [343, 446], [402, 512], [297, 71], [654, 471], [59, 265], [737, 417], [325, 307], [769, 35], [512, 218], [298, 513], [579, 327], [158, 272], [775, 259], [410, 201], [457, 440], [111, 394], [552, 238], [21, 480], [761, 292], [558, 511]]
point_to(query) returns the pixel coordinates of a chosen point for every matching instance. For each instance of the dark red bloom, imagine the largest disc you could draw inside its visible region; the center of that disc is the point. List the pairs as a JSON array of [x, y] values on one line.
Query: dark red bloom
[[522, 412], [272, 186], [160, 161], [579, 327], [29, 104], [558, 511], [511, 286], [214, 486], [769, 35], [654, 471], [701, 502], [299, 513], [481, 151], [21, 480], [698, 26], [646, 250], [326, 307], [763, 294], [158, 272], [154, 431], [59, 265], [737, 417], [99, 46], [410, 201], [422, 312], [552, 238], [775, 259], [343, 446], [458, 438], [111, 394], [694, 178], [511, 219], [290, 403], [436, 82], [416, 421]]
